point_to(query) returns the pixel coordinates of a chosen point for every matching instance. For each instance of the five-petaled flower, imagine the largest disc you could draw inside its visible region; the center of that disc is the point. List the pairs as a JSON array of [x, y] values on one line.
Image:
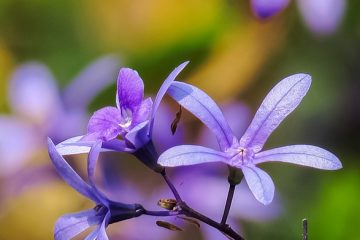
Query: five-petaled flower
[[127, 127], [104, 213], [246, 153]]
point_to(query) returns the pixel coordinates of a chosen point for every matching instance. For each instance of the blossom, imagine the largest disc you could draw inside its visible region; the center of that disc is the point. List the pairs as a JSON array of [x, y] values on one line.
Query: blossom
[[131, 120], [39, 107], [104, 213], [320, 16], [246, 153]]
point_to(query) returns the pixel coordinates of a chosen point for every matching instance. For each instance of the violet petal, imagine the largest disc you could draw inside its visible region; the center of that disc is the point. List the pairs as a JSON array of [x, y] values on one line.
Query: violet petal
[[70, 225], [260, 184], [279, 103], [304, 155], [68, 173], [104, 124], [130, 90], [264, 9], [184, 155], [142, 113], [204, 108], [91, 165], [163, 89], [138, 135]]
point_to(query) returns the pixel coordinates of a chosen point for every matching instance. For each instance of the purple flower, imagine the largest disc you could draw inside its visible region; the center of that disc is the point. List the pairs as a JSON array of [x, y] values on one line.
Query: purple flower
[[320, 16], [131, 120], [104, 213], [39, 108], [267, 8], [246, 153]]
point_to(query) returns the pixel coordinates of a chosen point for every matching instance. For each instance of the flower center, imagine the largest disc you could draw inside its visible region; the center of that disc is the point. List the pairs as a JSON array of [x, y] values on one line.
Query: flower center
[[240, 156], [126, 118]]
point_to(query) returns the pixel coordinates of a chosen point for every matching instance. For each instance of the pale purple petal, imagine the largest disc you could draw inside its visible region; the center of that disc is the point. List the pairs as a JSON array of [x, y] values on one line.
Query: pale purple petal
[[138, 135], [77, 145], [322, 16], [130, 89], [104, 124], [279, 103], [99, 232], [142, 113], [204, 108], [91, 166], [18, 144], [70, 225], [267, 8], [92, 80], [184, 155], [237, 115], [33, 93], [68, 173], [305, 155], [260, 184], [163, 89]]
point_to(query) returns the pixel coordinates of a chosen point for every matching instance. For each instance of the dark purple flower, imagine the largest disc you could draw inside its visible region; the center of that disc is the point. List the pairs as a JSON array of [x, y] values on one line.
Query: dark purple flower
[[246, 153], [264, 9], [104, 213], [131, 120]]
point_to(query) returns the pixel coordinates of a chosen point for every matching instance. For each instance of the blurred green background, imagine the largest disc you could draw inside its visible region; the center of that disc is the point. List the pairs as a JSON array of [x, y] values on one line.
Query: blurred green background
[[232, 56]]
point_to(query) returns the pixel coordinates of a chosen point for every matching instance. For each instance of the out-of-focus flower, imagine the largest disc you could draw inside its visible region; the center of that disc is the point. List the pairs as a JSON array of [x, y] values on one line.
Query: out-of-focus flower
[[132, 120], [320, 16], [105, 212], [245, 153], [41, 110]]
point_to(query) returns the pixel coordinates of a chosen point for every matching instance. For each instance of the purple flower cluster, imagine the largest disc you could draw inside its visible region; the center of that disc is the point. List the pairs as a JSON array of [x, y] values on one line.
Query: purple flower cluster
[[128, 128]]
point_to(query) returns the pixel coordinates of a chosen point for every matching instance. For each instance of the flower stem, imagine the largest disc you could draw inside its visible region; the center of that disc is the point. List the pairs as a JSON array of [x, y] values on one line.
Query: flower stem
[[171, 186], [188, 211], [160, 213], [224, 228], [228, 203]]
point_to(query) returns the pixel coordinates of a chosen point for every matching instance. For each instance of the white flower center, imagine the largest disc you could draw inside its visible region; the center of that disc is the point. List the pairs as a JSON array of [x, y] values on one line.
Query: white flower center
[[240, 156], [126, 118]]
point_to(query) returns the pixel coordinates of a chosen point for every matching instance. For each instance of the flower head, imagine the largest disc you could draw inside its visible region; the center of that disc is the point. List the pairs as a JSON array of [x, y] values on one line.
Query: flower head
[[104, 213], [246, 153], [128, 126]]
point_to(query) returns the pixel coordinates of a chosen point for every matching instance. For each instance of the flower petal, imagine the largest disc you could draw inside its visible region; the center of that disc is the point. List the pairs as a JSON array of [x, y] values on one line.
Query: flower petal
[[138, 136], [91, 165], [68, 174], [267, 8], [130, 89], [184, 155], [142, 113], [70, 225], [304, 155], [260, 184], [237, 114], [104, 124], [204, 108], [322, 16], [26, 84], [92, 80], [279, 103], [163, 89], [99, 233]]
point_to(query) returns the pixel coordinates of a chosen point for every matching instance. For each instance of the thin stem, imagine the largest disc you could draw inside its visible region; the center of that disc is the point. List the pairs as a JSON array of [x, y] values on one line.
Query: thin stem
[[305, 229], [228, 203], [224, 228], [171, 186], [160, 213]]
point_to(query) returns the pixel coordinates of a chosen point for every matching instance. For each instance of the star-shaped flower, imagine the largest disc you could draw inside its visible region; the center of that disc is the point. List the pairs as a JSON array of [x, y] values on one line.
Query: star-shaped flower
[[246, 153], [104, 213]]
